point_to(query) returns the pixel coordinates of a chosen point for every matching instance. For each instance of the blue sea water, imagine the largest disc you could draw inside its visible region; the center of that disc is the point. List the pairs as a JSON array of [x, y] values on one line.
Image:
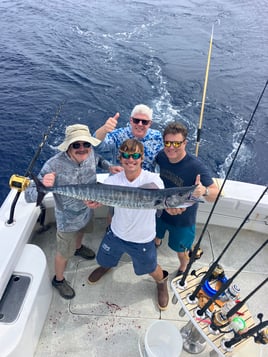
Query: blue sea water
[[100, 57]]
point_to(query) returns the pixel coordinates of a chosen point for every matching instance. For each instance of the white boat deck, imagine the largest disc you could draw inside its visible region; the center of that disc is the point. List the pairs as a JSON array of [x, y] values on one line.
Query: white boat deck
[[110, 318]]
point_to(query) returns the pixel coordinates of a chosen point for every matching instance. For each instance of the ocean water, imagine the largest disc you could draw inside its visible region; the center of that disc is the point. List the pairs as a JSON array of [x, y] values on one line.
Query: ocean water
[[99, 57]]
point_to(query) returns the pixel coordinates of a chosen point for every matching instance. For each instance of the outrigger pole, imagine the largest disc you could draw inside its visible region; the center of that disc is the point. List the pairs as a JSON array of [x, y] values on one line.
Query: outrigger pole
[[204, 95], [20, 183], [197, 245]]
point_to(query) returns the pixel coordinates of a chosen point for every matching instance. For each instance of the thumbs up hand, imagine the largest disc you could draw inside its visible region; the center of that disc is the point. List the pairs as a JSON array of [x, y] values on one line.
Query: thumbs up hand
[[111, 123], [200, 189]]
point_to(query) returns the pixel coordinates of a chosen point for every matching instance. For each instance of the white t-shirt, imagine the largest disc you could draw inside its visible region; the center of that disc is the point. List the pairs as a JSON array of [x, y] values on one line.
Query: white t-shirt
[[134, 225]]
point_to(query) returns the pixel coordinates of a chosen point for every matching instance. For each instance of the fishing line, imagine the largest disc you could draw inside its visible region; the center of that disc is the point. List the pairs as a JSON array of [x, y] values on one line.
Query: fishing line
[[197, 245], [20, 185]]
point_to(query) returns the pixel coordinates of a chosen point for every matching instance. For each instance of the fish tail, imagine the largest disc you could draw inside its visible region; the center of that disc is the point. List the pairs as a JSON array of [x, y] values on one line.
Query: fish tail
[[41, 190]]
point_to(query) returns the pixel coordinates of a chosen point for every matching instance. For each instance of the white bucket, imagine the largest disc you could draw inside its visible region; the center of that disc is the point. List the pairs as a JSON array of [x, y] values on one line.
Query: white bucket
[[163, 339]]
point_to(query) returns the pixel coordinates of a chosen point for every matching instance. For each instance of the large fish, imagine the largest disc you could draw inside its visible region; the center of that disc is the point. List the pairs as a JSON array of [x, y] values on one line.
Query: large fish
[[122, 196]]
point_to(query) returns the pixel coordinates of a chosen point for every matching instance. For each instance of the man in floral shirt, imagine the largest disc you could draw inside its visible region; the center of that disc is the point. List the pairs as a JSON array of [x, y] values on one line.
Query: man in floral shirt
[[139, 128]]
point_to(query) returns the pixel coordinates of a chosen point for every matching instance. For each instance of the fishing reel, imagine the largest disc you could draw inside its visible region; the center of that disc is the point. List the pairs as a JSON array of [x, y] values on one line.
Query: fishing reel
[[262, 335], [19, 183], [218, 278], [258, 332], [198, 254]]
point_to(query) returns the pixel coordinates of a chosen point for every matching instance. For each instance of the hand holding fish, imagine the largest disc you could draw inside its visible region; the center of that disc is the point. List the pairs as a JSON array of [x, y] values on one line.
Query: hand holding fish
[[49, 179], [92, 204], [115, 169], [175, 211]]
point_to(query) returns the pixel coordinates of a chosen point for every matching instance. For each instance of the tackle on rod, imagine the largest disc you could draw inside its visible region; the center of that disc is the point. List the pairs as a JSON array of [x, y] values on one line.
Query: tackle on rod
[[215, 263], [221, 319], [20, 183], [197, 245], [261, 335], [225, 285]]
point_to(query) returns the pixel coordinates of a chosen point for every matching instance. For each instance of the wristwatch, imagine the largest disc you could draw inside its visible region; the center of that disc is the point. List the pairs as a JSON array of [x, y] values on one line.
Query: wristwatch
[[207, 192]]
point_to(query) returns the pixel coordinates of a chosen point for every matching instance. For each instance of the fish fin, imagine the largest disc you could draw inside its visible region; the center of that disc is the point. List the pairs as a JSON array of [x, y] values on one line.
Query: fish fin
[[150, 185], [40, 187]]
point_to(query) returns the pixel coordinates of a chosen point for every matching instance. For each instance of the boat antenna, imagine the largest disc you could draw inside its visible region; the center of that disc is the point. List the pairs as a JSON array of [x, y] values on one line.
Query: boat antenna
[[204, 94], [20, 182], [197, 245]]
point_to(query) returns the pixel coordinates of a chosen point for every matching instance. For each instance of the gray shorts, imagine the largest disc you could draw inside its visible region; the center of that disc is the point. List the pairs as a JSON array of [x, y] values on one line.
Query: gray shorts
[[66, 241]]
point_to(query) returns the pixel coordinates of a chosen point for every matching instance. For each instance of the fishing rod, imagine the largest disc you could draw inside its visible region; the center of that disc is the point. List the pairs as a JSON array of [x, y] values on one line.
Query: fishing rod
[[20, 183], [215, 263], [197, 245], [238, 306], [204, 94], [261, 337], [226, 284], [221, 318]]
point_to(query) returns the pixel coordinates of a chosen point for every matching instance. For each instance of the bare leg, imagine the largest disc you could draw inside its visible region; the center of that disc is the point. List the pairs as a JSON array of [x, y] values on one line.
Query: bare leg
[[183, 259], [158, 274]]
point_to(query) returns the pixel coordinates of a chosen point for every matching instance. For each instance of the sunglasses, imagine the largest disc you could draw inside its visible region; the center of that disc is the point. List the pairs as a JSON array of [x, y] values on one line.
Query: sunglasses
[[143, 121], [135, 156], [77, 145], [176, 144]]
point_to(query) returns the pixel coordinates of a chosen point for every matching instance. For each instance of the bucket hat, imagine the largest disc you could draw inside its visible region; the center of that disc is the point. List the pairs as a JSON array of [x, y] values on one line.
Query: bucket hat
[[77, 132]]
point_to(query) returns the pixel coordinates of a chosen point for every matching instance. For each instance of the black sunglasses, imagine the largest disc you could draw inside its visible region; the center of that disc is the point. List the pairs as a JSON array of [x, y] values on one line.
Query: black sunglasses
[[143, 121], [77, 145]]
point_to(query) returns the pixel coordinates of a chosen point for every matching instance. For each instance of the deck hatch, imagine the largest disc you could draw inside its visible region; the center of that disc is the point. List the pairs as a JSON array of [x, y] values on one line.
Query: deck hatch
[[13, 297]]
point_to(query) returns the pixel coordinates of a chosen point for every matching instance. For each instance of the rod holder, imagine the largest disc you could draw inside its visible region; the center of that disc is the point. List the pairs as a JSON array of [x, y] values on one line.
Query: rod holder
[[194, 342]]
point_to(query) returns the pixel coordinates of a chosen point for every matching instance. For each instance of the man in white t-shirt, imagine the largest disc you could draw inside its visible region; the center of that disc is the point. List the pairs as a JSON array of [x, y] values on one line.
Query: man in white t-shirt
[[132, 231]]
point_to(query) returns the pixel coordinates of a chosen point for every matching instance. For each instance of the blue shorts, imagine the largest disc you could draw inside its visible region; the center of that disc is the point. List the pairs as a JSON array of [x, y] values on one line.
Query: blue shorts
[[143, 255], [180, 238]]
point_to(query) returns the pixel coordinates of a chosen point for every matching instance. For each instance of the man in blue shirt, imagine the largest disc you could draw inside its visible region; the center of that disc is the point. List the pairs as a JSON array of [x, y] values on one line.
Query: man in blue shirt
[[179, 168], [139, 128]]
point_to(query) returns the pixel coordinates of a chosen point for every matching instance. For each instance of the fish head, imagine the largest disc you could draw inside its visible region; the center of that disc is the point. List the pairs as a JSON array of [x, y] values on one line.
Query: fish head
[[181, 198]]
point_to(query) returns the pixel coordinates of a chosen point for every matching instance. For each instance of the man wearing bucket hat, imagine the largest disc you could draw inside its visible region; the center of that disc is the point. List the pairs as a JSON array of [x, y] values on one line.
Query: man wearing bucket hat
[[74, 164]]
